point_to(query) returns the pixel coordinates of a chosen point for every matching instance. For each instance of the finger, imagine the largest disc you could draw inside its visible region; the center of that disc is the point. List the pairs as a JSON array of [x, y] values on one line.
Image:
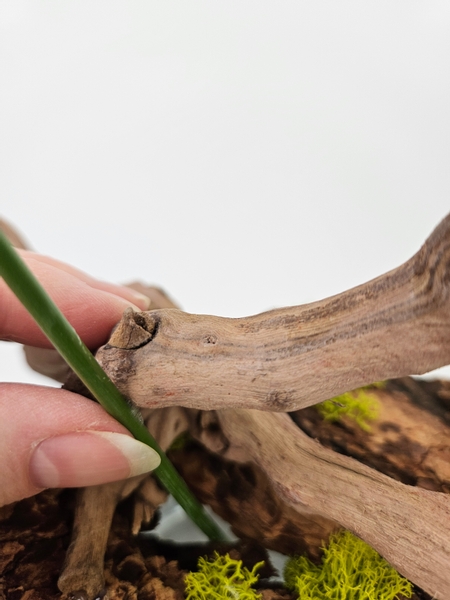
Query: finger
[[90, 308], [53, 438], [132, 295]]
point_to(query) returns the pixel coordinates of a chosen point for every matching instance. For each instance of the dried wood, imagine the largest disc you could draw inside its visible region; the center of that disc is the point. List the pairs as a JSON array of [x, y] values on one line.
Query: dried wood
[[409, 526], [290, 358], [293, 358], [82, 575]]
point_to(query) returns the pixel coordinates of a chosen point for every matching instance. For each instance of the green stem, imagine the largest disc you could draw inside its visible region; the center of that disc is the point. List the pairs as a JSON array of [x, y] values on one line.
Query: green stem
[[65, 339]]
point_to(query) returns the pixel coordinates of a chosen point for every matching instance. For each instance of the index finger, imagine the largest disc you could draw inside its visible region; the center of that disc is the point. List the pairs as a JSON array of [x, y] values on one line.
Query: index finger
[[91, 307]]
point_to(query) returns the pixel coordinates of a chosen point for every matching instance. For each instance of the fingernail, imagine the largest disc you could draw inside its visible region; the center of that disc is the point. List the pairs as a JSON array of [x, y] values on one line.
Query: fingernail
[[85, 458], [141, 301]]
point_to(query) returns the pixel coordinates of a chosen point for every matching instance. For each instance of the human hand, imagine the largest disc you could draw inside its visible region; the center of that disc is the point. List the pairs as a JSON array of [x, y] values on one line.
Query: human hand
[[51, 437]]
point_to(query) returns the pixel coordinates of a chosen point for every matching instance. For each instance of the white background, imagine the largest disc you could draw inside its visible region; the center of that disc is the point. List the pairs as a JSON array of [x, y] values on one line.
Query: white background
[[243, 155]]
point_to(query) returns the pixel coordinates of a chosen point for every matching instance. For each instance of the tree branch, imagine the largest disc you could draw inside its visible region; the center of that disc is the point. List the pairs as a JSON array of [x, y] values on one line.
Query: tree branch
[[407, 525], [290, 358]]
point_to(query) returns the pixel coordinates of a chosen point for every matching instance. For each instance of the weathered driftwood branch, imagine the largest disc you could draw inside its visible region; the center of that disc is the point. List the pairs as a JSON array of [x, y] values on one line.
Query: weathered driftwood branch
[[409, 526], [395, 446], [282, 360], [50, 363], [82, 576]]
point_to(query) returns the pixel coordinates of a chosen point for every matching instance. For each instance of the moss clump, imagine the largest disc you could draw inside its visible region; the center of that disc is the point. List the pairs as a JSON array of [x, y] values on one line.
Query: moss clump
[[350, 570], [360, 406], [221, 578]]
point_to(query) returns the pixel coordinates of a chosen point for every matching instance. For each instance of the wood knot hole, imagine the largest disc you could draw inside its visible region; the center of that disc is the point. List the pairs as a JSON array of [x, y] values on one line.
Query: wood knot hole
[[210, 340]]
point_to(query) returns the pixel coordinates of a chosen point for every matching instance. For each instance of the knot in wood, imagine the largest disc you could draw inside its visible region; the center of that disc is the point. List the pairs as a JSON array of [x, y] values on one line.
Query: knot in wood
[[209, 340], [134, 330]]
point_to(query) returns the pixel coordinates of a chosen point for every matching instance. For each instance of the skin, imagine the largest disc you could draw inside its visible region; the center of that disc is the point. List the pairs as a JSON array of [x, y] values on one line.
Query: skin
[[40, 424]]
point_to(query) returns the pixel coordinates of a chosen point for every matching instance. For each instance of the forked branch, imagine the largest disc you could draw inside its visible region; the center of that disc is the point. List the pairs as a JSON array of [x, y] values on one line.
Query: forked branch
[[291, 358], [407, 525]]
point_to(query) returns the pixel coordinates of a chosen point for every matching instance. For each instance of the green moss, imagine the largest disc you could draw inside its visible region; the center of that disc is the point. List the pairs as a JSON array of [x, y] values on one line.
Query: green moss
[[350, 570], [221, 578], [360, 406]]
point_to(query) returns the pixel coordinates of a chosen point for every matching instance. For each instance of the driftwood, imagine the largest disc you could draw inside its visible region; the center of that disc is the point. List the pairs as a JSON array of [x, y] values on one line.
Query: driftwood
[[243, 495], [288, 359], [294, 357]]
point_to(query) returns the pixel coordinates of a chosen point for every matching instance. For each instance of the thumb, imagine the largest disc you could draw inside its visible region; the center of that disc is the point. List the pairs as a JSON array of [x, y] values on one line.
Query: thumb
[[54, 438]]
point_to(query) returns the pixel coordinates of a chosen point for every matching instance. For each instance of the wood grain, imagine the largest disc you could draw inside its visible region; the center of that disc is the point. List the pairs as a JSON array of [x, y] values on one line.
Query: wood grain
[[407, 525], [286, 359]]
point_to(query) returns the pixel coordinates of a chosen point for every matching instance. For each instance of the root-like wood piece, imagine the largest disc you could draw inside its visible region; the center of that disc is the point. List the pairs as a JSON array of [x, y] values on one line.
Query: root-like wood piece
[[409, 526], [308, 491], [295, 357], [242, 494], [82, 575]]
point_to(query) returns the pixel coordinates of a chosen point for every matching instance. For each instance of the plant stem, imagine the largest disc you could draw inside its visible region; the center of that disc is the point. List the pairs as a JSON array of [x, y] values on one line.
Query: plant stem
[[67, 342]]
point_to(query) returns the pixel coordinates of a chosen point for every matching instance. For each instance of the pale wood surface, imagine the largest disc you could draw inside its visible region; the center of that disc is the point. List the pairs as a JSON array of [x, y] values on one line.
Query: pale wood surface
[[286, 359], [409, 526]]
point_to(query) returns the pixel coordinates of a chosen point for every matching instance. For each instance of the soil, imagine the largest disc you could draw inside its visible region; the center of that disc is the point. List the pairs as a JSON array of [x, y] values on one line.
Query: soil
[[36, 534]]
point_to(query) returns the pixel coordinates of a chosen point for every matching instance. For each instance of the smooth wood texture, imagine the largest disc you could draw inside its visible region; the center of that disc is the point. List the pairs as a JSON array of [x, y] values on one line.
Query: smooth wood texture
[[407, 525], [286, 359], [82, 573]]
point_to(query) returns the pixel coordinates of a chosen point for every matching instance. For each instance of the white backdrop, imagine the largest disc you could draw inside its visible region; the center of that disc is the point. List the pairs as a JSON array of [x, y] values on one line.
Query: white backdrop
[[243, 155]]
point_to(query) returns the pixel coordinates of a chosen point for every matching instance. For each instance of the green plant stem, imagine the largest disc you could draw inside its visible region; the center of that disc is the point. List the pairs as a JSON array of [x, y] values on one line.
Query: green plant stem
[[67, 342]]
